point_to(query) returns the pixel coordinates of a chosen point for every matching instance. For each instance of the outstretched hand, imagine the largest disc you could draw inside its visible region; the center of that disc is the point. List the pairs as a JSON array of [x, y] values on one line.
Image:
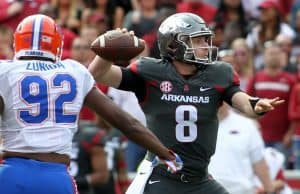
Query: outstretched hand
[[173, 165], [266, 105]]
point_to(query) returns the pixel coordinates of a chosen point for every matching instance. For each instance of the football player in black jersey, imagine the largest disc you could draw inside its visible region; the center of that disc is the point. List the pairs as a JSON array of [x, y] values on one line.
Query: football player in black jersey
[[89, 160], [180, 95], [118, 180], [96, 155]]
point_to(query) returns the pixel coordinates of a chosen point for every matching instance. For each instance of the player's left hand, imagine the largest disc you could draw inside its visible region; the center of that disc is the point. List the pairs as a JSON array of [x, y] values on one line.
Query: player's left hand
[[173, 165], [266, 105]]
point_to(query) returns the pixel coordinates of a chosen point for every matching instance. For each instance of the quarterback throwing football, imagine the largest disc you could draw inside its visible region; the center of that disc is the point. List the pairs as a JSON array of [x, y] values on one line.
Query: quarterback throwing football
[[180, 95]]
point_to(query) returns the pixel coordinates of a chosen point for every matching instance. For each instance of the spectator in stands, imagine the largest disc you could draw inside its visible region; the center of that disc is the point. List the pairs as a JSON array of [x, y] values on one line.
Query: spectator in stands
[[143, 20], [105, 9], [81, 51], [285, 9], [68, 14], [90, 32], [96, 21], [296, 40], [231, 15], [93, 30], [285, 43], [199, 7], [240, 142], [13, 11], [251, 10], [269, 26], [6, 42], [171, 4], [267, 83], [122, 8], [294, 12], [69, 36], [294, 115], [9, 10], [47, 9], [226, 55], [151, 37], [128, 5], [213, 2], [243, 61], [219, 38]]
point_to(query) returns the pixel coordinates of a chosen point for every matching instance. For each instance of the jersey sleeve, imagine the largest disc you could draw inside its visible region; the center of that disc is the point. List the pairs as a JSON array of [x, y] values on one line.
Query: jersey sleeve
[[231, 82], [133, 81]]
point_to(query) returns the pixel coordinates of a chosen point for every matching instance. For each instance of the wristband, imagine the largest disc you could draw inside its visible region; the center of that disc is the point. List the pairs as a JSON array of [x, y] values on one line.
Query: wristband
[[253, 101]]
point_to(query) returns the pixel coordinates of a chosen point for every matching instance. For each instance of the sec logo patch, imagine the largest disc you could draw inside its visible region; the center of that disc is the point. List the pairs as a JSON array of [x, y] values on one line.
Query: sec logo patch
[[166, 86]]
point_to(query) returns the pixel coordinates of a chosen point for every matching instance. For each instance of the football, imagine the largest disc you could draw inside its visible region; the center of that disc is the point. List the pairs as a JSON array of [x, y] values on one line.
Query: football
[[117, 46]]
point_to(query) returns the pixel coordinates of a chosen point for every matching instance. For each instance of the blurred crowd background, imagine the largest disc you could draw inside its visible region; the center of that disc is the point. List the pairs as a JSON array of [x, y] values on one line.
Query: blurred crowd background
[[260, 38]]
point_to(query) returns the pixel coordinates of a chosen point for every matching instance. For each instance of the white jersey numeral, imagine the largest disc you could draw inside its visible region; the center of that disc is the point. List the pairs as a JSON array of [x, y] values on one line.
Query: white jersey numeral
[[186, 128]]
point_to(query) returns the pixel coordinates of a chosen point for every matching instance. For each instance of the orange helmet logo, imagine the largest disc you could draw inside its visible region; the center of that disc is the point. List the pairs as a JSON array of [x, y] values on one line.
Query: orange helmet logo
[[38, 36]]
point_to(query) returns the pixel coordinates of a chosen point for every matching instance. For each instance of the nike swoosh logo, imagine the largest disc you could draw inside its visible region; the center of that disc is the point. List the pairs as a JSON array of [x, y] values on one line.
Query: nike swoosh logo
[[204, 89], [152, 182]]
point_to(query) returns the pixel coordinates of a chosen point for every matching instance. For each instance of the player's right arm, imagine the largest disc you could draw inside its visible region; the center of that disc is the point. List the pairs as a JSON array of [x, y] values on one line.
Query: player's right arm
[[105, 72]]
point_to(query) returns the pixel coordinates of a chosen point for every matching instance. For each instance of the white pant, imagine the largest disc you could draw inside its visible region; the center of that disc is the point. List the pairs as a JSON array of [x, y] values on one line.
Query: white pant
[[138, 184]]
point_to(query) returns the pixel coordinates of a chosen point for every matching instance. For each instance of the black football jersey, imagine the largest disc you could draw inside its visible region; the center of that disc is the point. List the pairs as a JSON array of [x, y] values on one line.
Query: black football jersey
[[85, 138], [183, 112]]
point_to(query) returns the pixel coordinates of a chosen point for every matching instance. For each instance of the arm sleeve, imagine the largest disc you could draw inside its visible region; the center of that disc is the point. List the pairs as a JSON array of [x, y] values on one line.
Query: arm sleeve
[[229, 92], [233, 88], [133, 82]]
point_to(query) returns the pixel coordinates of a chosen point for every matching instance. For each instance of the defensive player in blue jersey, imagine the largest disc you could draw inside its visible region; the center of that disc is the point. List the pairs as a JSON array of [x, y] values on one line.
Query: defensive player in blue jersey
[[180, 95]]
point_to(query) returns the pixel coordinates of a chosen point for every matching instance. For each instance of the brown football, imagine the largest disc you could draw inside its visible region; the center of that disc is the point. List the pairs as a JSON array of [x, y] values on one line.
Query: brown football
[[117, 46]]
